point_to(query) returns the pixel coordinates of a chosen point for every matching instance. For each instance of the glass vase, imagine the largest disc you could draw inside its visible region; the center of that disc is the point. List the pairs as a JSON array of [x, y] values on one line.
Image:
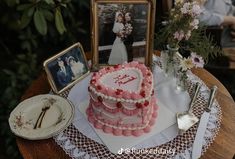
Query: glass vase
[[168, 61], [181, 80]]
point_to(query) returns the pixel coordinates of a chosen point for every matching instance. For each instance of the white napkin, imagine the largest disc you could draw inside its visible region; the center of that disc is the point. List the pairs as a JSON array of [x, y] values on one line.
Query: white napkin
[[165, 89]]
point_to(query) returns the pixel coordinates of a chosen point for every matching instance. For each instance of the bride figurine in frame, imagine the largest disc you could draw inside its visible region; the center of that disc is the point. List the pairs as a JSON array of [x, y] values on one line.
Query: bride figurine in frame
[[66, 68], [122, 31]]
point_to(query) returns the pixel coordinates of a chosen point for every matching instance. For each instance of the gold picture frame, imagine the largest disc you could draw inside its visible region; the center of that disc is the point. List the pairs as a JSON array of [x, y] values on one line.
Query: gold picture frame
[[103, 11], [66, 68]]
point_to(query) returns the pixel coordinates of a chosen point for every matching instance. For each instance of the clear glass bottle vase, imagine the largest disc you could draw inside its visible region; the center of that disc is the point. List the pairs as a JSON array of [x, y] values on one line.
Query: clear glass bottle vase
[[181, 80], [168, 61]]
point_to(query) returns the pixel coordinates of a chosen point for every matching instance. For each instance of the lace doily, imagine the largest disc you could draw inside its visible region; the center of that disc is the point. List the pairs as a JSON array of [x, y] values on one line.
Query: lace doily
[[78, 145]]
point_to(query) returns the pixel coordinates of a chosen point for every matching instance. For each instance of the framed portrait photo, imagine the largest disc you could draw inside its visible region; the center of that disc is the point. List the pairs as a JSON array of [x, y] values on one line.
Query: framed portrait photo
[[122, 30], [66, 68]]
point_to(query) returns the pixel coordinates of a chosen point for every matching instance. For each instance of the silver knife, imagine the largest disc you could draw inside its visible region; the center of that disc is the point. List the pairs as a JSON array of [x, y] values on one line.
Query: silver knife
[[197, 144]]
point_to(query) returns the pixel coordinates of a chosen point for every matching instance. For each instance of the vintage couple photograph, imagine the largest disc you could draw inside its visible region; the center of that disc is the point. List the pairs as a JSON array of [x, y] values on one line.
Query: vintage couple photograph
[[66, 68], [122, 32], [122, 46]]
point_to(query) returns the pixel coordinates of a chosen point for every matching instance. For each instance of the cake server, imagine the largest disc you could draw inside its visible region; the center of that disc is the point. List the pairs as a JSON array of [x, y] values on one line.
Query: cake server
[[187, 119], [197, 144]]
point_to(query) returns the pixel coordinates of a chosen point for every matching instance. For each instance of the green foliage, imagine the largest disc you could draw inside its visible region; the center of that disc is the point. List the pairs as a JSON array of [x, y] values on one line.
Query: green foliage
[[161, 37], [59, 22], [16, 79], [202, 45], [199, 42], [40, 22], [31, 31], [42, 12]]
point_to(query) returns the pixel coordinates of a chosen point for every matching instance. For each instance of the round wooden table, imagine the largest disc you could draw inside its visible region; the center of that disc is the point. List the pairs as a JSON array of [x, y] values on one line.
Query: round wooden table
[[222, 147]]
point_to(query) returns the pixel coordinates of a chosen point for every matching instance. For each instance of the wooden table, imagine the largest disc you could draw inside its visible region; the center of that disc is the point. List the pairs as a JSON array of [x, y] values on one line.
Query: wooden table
[[222, 148]]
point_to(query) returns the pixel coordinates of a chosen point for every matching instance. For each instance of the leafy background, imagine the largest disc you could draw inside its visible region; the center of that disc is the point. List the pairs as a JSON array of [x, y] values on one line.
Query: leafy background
[[30, 32]]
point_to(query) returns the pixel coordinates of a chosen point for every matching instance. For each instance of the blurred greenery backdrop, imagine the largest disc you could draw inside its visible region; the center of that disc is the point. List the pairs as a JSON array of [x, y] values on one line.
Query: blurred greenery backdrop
[[30, 32]]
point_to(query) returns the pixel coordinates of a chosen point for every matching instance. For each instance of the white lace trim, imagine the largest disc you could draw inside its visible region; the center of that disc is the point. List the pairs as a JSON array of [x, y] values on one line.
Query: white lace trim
[[70, 149], [214, 122]]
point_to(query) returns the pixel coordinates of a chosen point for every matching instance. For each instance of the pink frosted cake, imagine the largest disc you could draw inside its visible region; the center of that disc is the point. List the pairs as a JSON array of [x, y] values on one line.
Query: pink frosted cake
[[122, 100]]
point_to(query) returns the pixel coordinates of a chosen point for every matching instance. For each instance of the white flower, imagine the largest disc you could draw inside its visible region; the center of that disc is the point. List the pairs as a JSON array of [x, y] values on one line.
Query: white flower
[[188, 35], [186, 8], [186, 64], [195, 23], [197, 60]]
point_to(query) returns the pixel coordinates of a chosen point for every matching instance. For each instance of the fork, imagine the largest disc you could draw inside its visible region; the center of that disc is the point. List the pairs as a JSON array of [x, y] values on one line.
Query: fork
[[39, 117], [44, 112], [47, 104]]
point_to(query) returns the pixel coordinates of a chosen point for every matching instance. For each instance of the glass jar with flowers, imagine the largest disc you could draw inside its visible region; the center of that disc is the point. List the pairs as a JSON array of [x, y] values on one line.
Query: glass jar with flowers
[[185, 65], [182, 22], [183, 32], [168, 61]]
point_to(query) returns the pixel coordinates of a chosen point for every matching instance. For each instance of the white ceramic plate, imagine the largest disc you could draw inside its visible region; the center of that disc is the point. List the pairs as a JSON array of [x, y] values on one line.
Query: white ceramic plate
[[57, 117]]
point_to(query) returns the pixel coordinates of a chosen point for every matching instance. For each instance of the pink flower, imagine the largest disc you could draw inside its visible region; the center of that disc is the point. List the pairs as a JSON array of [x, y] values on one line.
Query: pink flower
[[179, 35], [196, 10], [197, 60]]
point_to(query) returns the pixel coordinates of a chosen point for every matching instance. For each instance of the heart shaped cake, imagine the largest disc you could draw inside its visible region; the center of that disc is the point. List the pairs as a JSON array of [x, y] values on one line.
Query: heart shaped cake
[[122, 99]]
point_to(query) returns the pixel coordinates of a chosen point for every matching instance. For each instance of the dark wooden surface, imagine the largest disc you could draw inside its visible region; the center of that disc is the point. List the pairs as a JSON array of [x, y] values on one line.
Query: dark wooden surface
[[222, 147]]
